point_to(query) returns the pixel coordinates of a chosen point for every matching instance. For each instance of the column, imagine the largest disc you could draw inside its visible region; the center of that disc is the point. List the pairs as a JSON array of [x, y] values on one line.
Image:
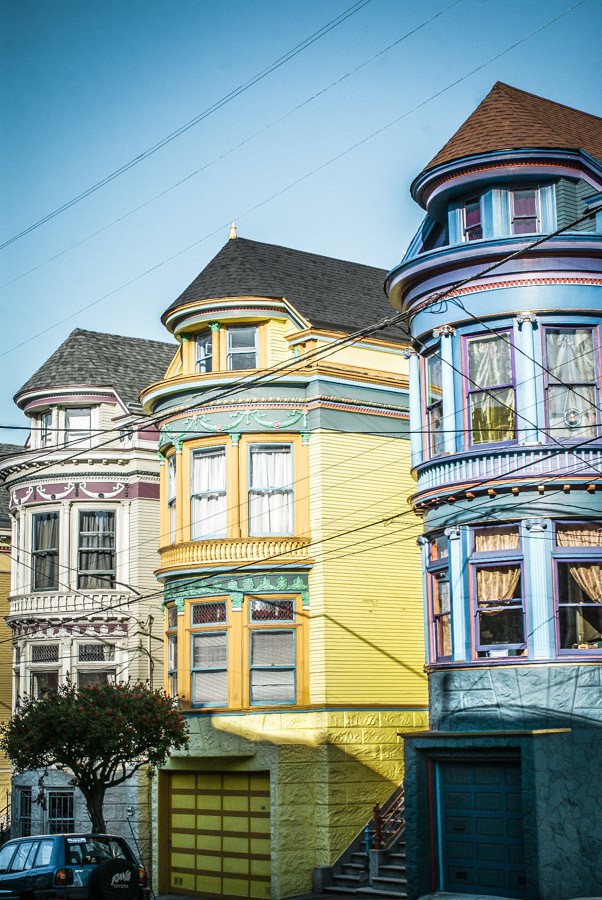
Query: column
[[446, 333], [233, 498], [416, 421], [537, 589], [460, 632], [526, 379]]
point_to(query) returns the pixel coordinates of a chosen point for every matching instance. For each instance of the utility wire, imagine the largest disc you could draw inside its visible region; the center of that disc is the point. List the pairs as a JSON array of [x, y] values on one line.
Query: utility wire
[[295, 183], [236, 147], [227, 98]]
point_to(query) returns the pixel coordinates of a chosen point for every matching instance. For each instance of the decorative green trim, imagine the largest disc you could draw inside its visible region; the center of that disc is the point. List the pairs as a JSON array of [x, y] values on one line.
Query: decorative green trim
[[236, 588], [305, 436], [194, 426], [214, 326], [185, 338], [235, 438]]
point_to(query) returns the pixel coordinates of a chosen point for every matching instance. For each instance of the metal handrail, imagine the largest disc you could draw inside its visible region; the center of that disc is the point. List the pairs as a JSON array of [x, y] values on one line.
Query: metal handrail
[[388, 824]]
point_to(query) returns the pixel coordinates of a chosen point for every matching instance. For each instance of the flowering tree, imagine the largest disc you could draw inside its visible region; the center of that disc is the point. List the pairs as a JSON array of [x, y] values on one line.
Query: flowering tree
[[101, 734]]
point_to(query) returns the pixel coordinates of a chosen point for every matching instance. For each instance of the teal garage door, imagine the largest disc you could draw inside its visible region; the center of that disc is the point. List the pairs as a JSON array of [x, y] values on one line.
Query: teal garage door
[[480, 823]]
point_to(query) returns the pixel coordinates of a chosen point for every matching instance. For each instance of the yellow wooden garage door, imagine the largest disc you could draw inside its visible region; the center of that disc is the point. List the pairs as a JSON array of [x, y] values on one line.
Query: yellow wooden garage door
[[220, 834]]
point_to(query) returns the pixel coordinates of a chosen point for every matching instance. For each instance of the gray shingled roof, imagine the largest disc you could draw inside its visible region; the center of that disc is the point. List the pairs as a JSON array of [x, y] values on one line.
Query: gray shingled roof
[[6, 450], [94, 359], [329, 293]]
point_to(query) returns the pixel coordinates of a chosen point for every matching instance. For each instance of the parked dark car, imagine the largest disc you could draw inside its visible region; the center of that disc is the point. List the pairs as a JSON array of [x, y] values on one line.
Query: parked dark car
[[71, 867]]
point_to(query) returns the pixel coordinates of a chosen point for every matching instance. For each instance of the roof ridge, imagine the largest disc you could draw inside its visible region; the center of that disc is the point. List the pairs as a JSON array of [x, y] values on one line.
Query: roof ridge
[[307, 253], [572, 109]]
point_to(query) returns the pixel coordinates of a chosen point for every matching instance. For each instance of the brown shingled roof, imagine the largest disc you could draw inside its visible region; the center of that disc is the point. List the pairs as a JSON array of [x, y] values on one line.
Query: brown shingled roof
[[509, 119]]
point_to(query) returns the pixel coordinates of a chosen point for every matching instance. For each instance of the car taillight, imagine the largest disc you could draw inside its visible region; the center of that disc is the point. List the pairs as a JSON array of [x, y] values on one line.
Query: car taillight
[[142, 877], [63, 876]]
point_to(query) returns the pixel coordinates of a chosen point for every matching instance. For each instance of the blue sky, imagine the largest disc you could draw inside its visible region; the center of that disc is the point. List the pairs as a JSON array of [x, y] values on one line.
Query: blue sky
[[88, 85]]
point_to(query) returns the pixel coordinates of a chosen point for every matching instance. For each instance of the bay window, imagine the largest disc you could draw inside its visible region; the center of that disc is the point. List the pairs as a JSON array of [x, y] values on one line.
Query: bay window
[[499, 621], [434, 404], [209, 514], [44, 670], [490, 389], [572, 391], [45, 551], [96, 549], [439, 597], [272, 678], [209, 655], [578, 586], [241, 347], [270, 489]]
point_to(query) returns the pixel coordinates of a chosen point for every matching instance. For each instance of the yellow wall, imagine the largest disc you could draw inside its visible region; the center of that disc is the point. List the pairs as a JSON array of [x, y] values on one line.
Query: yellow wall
[[366, 642]]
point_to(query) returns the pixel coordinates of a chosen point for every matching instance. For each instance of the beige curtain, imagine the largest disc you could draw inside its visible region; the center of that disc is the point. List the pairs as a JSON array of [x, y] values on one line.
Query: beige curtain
[[495, 585], [587, 575], [488, 540]]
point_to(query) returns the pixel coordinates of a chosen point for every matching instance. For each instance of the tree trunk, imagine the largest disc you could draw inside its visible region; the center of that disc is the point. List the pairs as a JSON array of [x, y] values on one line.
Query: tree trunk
[[94, 798]]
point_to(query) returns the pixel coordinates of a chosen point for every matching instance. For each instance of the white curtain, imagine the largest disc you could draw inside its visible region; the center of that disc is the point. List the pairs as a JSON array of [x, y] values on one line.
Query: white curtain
[[570, 355], [489, 361], [270, 491], [209, 494]]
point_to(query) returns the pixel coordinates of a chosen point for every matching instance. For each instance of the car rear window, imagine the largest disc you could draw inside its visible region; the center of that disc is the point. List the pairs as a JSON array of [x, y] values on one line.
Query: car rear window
[[5, 856], [92, 851]]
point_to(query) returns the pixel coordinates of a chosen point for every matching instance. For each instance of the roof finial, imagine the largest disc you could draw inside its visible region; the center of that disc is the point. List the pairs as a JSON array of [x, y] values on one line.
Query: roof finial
[[233, 234]]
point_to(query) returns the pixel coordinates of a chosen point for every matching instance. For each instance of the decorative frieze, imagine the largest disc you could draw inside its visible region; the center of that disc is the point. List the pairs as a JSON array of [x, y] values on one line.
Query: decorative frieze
[[237, 587]]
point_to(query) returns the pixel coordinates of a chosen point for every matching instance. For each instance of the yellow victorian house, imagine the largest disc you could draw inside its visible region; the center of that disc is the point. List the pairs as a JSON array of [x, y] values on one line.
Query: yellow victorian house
[[292, 584]]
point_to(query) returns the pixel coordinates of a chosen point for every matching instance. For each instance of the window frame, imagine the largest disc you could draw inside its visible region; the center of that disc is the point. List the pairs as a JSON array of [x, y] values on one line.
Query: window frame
[[549, 381], [438, 572], [78, 438], [172, 494], [512, 217], [203, 361], [171, 650], [272, 626], [111, 580], [232, 352], [42, 553], [209, 450], [289, 491], [98, 667], [46, 432], [469, 229], [479, 560], [565, 556], [471, 388], [61, 824], [200, 630], [430, 407]]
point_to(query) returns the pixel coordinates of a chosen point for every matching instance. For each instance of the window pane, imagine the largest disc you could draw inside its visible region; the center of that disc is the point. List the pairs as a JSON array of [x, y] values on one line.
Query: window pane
[[492, 416], [96, 558], [271, 490], [44, 653], [272, 648], [276, 686], [504, 626], [77, 426], [572, 413], [172, 617], [209, 493], [438, 548], [210, 688], [498, 584], [242, 338], [490, 540], [96, 652], [441, 596], [272, 610], [434, 379], [435, 420], [86, 678], [443, 637], [204, 353], [570, 354], [42, 682], [489, 361], [579, 534], [208, 613], [242, 348], [525, 203], [60, 813], [171, 477], [45, 551], [210, 651]]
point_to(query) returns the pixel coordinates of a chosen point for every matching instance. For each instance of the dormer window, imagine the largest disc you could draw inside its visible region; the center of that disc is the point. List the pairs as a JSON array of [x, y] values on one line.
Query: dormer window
[[204, 353], [524, 211], [473, 224], [241, 350]]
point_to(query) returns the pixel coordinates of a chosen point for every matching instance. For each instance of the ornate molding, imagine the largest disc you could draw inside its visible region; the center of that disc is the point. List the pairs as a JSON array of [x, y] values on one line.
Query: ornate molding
[[408, 353], [234, 551], [231, 422], [236, 588], [526, 316], [536, 525], [101, 495], [453, 533], [444, 331]]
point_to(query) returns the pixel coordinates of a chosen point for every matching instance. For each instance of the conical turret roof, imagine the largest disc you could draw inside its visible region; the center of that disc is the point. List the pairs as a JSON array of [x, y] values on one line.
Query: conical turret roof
[[511, 119]]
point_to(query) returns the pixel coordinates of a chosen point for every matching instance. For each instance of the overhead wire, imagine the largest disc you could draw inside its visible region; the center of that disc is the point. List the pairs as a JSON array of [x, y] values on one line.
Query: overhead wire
[[227, 98], [298, 181]]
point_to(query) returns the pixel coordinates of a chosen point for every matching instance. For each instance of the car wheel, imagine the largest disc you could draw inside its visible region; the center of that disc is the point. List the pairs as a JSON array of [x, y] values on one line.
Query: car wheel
[[115, 879]]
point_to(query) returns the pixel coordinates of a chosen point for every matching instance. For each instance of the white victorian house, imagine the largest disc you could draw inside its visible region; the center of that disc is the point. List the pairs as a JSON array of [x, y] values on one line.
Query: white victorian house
[[84, 604]]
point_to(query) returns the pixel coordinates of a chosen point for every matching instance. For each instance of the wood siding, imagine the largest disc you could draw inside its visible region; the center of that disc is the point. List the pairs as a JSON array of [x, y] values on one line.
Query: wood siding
[[366, 634]]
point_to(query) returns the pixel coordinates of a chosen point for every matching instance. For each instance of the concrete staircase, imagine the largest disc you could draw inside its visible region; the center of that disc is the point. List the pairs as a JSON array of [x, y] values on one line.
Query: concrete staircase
[[374, 864]]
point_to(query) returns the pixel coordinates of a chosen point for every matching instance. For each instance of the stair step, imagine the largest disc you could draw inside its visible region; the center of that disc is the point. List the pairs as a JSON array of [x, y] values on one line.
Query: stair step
[[346, 879], [374, 892], [393, 871], [395, 885], [355, 867]]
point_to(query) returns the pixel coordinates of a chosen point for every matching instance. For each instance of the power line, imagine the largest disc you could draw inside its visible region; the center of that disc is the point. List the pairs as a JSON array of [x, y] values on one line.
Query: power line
[[227, 98], [295, 183], [235, 147]]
